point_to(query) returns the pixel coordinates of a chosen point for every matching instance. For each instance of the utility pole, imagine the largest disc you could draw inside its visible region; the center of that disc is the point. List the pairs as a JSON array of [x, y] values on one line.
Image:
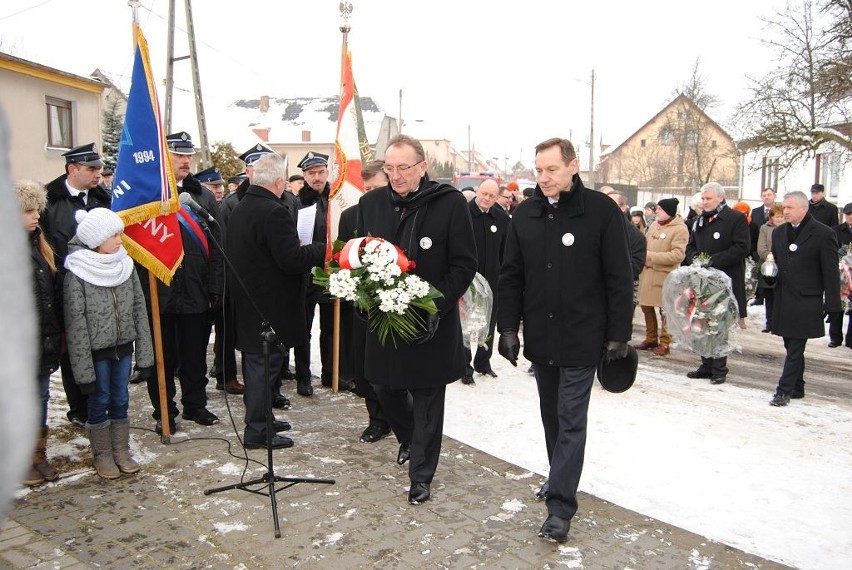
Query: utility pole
[[591, 136], [400, 111], [196, 78]]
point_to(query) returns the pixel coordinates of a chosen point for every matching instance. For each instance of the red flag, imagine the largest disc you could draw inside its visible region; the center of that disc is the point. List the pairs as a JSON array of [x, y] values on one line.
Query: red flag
[[346, 185]]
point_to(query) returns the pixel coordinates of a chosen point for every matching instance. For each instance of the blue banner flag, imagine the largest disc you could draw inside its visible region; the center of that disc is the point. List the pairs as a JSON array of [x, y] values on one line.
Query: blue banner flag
[[144, 182]]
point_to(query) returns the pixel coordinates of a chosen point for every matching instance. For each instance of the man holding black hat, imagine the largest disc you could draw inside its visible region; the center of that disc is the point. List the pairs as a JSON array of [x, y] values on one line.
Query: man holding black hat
[[835, 320], [186, 304], [315, 195], [75, 190], [566, 274], [821, 209]]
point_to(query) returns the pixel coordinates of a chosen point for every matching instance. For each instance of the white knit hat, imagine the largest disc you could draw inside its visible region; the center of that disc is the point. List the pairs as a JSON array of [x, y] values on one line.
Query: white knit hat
[[97, 225]]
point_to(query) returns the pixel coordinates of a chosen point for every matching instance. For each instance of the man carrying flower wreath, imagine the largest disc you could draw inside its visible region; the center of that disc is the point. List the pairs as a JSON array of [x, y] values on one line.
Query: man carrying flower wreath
[[430, 222]]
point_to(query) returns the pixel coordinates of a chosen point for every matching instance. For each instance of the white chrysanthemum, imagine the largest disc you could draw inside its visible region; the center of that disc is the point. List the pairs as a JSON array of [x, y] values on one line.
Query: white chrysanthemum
[[343, 285], [416, 287]]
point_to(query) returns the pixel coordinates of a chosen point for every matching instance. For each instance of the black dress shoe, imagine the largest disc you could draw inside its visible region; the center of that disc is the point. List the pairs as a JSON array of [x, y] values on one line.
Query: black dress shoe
[[159, 427], [287, 374], [717, 380], [833, 344], [767, 329], [404, 453], [343, 385], [202, 416], [542, 493], [304, 388], [794, 395], [77, 421], [487, 372], [698, 374], [419, 493], [278, 442], [467, 380], [280, 402], [780, 399], [279, 425], [138, 377], [555, 528], [374, 433]]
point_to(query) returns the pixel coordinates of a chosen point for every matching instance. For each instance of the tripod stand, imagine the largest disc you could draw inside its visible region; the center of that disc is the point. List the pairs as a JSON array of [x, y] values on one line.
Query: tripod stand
[[268, 338]]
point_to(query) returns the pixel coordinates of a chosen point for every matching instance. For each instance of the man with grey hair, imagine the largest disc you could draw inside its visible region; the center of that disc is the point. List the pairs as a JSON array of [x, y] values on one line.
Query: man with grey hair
[[263, 245], [807, 287], [720, 233]]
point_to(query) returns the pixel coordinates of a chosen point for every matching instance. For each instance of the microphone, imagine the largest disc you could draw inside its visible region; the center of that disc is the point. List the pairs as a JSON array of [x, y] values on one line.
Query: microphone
[[185, 199]]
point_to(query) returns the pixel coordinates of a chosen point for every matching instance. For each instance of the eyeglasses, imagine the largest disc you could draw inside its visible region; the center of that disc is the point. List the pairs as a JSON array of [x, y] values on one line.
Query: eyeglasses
[[402, 169]]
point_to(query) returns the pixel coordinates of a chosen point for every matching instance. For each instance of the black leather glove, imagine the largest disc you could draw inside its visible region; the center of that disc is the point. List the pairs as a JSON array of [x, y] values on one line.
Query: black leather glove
[[216, 302], [87, 389], [615, 350], [509, 346], [431, 327]]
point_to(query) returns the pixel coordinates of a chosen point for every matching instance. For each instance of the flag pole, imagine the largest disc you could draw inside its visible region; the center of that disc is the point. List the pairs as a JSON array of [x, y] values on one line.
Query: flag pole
[[156, 330], [345, 14]]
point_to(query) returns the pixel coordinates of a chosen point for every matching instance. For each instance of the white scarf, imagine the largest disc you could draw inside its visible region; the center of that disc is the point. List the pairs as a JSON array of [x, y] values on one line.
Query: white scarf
[[102, 269]]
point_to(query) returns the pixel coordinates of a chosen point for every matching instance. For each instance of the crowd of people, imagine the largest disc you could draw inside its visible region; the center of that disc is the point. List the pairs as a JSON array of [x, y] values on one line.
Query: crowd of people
[[246, 275]]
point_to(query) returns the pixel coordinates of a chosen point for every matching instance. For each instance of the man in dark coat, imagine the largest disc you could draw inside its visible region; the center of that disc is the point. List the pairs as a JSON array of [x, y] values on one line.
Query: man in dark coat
[[835, 320], [431, 223], [187, 303], [806, 254], [821, 209], [636, 240], [490, 222], [566, 274], [721, 233], [263, 245], [353, 327], [759, 217], [77, 189]]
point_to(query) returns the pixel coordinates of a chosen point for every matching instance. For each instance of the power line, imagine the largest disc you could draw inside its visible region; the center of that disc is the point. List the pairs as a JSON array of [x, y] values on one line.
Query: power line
[[25, 10]]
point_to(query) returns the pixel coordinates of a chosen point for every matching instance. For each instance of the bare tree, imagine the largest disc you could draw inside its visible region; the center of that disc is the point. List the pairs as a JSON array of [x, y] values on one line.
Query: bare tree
[[804, 102]]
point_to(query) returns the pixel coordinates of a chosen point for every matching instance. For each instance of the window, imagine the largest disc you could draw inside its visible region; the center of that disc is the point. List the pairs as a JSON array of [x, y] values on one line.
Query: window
[[642, 143], [692, 138], [770, 172], [60, 126], [666, 136], [829, 175]]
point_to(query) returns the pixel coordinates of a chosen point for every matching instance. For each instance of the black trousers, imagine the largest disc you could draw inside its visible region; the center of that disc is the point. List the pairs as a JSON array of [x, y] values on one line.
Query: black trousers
[[224, 354], [716, 367], [564, 395], [302, 354], [835, 330], [254, 396], [792, 376], [769, 304], [78, 402], [185, 340], [420, 421]]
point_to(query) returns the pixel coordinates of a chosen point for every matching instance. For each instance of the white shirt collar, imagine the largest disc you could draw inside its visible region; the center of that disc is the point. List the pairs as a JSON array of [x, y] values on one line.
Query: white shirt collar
[[74, 192]]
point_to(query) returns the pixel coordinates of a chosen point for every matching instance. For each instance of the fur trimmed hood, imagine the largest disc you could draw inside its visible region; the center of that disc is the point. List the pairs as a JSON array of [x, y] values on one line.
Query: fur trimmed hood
[[31, 195]]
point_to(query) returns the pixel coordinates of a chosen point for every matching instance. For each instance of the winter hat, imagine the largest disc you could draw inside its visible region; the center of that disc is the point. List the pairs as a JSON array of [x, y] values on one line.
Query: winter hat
[[97, 225], [669, 206], [31, 195]]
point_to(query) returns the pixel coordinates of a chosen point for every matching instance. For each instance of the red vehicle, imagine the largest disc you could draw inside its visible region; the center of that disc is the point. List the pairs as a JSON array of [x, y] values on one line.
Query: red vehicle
[[464, 180]]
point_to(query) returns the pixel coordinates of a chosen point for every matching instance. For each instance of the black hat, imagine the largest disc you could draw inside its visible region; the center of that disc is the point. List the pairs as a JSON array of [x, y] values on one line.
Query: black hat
[[669, 205], [85, 155], [180, 143], [817, 188], [651, 205], [237, 179], [107, 171], [617, 376], [210, 176], [296, 177], [847, 209], [254, 153], [313, 159]]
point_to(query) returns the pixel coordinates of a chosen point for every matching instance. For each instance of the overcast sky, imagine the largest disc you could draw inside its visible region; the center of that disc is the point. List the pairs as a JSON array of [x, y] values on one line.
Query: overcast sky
[[516, 73]]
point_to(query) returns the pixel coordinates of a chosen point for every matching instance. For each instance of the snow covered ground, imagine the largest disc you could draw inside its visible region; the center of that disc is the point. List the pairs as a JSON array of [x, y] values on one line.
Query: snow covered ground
[[715, 460]]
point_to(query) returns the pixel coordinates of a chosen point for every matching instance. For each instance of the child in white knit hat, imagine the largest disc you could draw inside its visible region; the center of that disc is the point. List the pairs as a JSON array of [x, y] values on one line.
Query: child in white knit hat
[[104, 315]]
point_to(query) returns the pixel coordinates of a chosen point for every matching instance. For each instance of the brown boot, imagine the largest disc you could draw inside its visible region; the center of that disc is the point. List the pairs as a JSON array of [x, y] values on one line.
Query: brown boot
[[34, 477], [645, 345], [40, 460], [662, 350], [120, 438], [99, 436]]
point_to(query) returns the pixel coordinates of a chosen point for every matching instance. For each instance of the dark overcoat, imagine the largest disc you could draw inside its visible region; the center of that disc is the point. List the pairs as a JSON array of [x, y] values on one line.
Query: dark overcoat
[[432, 225], [727, 240], [489, 231], [263, 246], [58, 221], [808, 283], [567, 274], [824, 212]]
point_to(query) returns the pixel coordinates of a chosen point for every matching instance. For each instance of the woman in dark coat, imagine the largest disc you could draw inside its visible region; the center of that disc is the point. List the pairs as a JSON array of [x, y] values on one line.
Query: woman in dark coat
[[431, 223]]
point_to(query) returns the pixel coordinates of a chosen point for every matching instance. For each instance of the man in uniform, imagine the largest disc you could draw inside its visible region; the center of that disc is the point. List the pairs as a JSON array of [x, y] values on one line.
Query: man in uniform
[[566, 274], [77, 189]]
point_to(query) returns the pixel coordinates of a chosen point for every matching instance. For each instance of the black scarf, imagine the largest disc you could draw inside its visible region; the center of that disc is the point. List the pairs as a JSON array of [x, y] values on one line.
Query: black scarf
[[707, 217]]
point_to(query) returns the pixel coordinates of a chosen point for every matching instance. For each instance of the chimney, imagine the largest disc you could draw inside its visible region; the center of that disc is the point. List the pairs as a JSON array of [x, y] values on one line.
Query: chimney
[[262, 134], [264, 103], [306, 136]]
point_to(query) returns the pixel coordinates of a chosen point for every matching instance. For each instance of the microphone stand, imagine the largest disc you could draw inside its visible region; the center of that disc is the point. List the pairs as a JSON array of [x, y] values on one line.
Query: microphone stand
[[268, 338]]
